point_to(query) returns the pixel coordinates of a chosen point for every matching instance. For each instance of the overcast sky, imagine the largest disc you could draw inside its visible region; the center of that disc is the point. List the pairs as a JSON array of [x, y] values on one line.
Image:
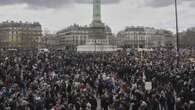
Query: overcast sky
[[55, 15]]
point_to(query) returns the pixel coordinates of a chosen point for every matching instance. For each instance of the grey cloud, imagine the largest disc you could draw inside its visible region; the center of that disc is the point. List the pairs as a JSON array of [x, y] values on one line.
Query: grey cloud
[[159, 3], [7, 2], [192, 4], [37, 3], [49, 3], [103, 1], [164, 3]]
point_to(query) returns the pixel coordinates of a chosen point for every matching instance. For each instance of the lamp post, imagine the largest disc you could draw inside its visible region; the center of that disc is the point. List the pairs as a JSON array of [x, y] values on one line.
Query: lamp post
[[177, 33]]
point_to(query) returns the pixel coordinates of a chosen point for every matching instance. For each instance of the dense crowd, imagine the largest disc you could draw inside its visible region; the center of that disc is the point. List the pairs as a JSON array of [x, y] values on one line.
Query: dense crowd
[[106, 81]]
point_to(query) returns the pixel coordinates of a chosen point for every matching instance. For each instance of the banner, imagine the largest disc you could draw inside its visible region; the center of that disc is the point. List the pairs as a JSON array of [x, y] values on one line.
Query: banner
[[148, 86]]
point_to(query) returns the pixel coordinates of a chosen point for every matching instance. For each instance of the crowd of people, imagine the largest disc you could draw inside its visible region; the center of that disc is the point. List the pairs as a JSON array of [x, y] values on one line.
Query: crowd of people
[[97, 81]]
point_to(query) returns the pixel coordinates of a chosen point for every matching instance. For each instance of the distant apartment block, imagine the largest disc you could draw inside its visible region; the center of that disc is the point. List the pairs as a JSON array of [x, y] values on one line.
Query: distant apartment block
[[187, 38], [144, 37], [49, 41], [74, 35], [20, 35]]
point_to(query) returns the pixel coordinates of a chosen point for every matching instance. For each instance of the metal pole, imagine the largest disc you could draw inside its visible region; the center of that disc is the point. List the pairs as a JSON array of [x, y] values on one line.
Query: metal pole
[[95, 45], [177, 33]]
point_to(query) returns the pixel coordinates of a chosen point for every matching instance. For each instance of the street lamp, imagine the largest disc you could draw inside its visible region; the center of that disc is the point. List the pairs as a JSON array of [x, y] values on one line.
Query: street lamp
[[177, 33]]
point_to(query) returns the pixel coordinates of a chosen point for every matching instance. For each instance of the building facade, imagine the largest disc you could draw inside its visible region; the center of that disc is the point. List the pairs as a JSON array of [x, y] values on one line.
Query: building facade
[[131, 37], [19, 35], [49, 41], [75, 35], [187, 38], [71, 37], [163, 38], [144, 37]]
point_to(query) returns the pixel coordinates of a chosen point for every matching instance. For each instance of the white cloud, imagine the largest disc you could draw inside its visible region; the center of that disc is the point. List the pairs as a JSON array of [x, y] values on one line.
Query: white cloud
[[165, 3], [36, 4], [117, 16]]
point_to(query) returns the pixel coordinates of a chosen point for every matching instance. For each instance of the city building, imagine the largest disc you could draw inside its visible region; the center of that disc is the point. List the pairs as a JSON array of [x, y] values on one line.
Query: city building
[[187, 38], [75, 35], [49, 41], [72, 36], [144, 37], [132, 37], [163, 38], [19, 35]]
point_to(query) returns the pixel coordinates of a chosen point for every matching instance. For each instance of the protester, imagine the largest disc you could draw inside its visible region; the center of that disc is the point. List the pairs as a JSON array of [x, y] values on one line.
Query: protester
[[89, 81]]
